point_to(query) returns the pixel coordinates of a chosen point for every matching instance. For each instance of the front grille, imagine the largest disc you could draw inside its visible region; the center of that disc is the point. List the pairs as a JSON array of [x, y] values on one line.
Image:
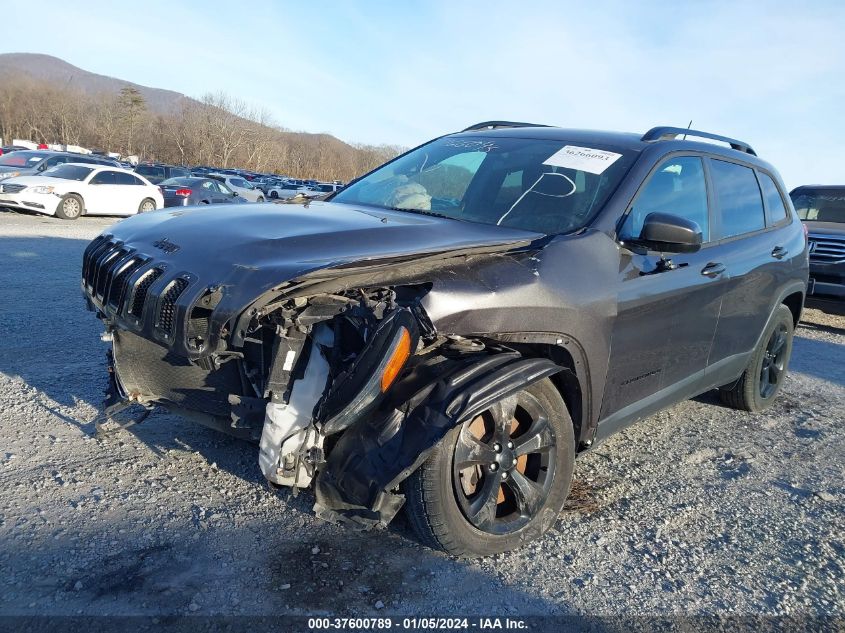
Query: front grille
[[117, 287], [12, 188], [89, 260], [106, 264], [827, 249], [142, 287], [167, 303]]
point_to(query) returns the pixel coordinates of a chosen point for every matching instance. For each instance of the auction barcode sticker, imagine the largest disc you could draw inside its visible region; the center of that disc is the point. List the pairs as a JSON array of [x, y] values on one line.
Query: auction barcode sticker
[[594, 161]]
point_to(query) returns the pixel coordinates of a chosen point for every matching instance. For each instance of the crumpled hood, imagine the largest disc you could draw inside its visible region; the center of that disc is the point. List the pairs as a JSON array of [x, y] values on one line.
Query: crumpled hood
[[299, 238], [247, 250]]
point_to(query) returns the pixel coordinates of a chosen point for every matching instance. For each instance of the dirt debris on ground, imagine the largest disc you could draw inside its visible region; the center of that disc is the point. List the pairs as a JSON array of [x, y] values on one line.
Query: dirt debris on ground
[[696, 510]]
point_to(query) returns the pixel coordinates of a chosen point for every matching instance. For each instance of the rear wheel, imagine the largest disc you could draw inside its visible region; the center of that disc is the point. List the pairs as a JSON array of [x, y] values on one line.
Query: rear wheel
[[763, 378], [497, 481], [70, 207], [147, 205]]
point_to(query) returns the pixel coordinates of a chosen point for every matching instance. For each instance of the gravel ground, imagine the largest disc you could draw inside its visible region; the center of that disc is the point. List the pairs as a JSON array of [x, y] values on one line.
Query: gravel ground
[[697, 510]]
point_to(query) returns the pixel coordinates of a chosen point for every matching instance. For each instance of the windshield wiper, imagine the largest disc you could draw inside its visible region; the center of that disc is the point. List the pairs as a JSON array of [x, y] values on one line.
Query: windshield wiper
[[433, 214]]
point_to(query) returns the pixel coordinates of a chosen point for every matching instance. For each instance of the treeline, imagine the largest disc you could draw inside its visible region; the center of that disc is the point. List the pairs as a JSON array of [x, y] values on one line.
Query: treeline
[[217, 131]]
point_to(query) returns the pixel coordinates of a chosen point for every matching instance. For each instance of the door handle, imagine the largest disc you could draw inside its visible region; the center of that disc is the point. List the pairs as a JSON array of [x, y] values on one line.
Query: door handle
[[779, 252], [713, 269]]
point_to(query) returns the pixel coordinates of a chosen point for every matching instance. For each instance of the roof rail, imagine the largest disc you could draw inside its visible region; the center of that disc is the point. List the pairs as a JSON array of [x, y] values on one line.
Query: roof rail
[[663, 133], [492, 125]]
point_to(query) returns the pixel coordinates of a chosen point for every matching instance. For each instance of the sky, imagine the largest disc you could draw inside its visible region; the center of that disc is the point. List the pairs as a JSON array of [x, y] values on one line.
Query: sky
[[401, 72]]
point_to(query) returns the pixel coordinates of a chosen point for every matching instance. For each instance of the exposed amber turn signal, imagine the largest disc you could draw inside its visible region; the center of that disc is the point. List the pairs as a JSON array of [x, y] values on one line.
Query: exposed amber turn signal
[[397, 360]]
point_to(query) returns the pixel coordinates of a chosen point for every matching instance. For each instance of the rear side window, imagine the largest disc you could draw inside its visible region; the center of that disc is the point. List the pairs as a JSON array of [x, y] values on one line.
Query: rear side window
[[677, 187], [104, 178], [122, 178], [775, 208], [739, 199]]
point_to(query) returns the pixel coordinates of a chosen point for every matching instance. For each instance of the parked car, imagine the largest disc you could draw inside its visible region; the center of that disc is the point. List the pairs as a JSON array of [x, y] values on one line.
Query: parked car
[[32, 162], [183, 192], [242, 187], [286, 190], [73, 189], [8, 149], [452, 329], [822, 209], [158, 172], [327, 187]]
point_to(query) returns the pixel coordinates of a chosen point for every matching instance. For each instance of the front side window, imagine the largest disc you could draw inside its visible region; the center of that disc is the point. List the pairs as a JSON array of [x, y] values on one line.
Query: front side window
[[560, 187], [738, 197], [820, 205], [775, 208], [224, 189], [678, 187]]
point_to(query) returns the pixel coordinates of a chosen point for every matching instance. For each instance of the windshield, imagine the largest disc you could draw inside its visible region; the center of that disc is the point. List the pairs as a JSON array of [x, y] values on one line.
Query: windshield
[[820, 205], [547, 186], [179, 182], [69, 172], [21, 159]]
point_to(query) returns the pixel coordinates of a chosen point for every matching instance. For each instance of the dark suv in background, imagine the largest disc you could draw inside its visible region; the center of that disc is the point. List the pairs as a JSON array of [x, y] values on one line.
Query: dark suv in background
[[822, 209], [450, 330], [159, 172], [33, 162]]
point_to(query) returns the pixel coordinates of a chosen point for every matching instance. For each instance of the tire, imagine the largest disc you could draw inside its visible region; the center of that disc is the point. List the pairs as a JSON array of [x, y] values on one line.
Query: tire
[[148, 204], [762, 379], [70, 207], [260, 199], [274, 195], [439, 504]]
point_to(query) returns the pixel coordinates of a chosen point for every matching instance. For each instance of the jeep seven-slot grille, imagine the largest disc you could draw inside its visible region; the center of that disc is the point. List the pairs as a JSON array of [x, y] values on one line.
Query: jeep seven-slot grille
[[105, 266], [141, 290], [827, 249], [117, 288], [166, 306]]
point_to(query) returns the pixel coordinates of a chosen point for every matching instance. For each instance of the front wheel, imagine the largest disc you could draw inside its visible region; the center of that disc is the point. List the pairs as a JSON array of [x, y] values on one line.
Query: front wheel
[[763, 377], [70, 207], [498, 481], [260, 199], [274, 195]]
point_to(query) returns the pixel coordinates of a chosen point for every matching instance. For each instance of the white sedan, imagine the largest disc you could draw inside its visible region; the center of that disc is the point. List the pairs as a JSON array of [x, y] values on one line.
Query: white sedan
[[75, 189], [240, 186]]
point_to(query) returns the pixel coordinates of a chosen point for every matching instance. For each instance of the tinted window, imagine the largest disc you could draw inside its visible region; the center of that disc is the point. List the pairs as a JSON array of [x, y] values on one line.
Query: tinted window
[[69, 172], [677, 187], [820, 205], [209, 184], [104, 178], [176, 171], [237, 182], [775, 208], [738, 197], [150, 171], [122, 178], [54, 160]]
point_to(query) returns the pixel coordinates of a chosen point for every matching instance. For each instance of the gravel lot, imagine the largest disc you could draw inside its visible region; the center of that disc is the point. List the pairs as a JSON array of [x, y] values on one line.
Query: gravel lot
[[697, 510]]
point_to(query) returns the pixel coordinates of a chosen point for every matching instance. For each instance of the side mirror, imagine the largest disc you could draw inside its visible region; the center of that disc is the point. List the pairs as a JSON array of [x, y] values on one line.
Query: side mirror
[[234, 194], [669, 233], [42, 166]]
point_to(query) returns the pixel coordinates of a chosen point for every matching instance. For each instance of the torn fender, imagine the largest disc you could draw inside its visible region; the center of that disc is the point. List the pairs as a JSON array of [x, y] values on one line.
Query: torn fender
[[373, 456]]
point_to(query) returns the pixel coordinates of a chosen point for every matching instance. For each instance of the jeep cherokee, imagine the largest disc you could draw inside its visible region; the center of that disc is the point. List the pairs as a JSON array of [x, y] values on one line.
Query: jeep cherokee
[[450, 330]]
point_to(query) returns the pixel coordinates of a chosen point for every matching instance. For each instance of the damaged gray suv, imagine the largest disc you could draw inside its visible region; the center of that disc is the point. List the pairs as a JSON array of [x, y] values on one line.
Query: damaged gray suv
[[449, 331]]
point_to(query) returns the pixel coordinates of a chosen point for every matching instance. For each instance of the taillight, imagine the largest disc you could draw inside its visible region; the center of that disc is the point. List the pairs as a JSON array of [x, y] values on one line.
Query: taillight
[[183, 192]]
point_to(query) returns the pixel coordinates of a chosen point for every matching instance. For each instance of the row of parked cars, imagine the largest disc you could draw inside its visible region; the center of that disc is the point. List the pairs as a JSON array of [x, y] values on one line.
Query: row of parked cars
[[69, 185]]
